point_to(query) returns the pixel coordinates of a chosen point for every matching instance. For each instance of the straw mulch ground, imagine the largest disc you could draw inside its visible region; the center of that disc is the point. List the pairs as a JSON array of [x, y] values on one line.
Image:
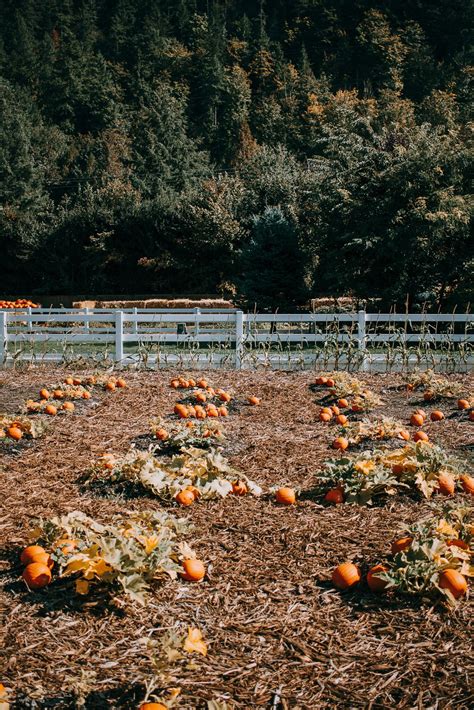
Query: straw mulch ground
[[279, 635]]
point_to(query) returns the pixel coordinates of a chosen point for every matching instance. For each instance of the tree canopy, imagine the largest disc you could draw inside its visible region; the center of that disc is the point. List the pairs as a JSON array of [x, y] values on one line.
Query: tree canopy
[[212, 145]]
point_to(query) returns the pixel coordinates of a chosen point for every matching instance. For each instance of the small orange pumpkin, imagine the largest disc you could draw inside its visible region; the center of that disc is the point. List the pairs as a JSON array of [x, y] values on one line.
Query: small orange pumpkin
[[340, 443], [15, 433], [404, 543], [37, 575], [373, 580], [467, 483], [453, 581], [446, 484], [285, 496], [345, 575], [335, 495], [193, 570], [185, 497], [239, 488]]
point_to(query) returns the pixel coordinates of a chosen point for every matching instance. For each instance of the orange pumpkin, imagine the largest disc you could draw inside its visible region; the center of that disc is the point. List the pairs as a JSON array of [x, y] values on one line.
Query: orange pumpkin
[[373, 580], [463, 404], [193, 570], [467, 483], [31, 554], [285, 496], [37, 575], [15, 433], [417, 420], [404, 543], [345, 575], [420, 436], [340, 443], [446, 484], [335, 495], [453, 581], [437, 415], [181, 411], [185, 497], [239, 488]]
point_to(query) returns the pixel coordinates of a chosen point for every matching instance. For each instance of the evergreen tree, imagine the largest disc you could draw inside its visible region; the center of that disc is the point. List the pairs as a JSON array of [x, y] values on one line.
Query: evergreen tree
[[273, 266]]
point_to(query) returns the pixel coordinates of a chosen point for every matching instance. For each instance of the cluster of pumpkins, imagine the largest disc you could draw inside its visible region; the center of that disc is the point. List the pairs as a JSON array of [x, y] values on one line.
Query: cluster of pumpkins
[[204, 394], [19, 303], [39, 565], [74, 388], [347, 574]]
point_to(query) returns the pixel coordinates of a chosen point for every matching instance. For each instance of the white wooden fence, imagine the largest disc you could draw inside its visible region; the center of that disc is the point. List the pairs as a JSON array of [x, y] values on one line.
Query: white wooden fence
[[362, 340]]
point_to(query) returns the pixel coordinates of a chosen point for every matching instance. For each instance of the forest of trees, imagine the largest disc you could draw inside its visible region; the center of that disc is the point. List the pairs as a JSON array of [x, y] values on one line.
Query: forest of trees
[[270, 150]]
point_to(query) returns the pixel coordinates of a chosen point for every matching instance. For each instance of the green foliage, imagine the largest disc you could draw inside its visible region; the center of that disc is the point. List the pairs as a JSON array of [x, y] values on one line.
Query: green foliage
[[206, 470], [417, 570], [273, 264], [128, 553], [378, 473]]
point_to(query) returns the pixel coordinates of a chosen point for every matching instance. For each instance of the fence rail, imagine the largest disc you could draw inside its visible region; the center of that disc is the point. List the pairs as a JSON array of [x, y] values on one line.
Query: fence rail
[[357, 340]]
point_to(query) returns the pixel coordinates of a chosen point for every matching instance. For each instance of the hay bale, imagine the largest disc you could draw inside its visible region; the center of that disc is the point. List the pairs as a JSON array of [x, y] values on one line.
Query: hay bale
[[84, 304], [188, 303], [157, 303]]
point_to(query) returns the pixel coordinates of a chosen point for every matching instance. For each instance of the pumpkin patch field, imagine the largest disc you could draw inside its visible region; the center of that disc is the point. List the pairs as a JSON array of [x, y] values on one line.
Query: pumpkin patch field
[[236, 540]]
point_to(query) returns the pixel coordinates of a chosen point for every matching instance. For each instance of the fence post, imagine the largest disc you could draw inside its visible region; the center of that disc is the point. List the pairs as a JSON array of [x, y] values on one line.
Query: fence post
[[3, 337], [197, 311], [86, 321], [135, 322], [118, 335], [239, 338], [361, 339]]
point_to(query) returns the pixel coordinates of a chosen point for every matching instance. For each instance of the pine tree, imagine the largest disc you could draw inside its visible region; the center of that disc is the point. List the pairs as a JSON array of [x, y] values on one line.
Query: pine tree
[[273, 266]]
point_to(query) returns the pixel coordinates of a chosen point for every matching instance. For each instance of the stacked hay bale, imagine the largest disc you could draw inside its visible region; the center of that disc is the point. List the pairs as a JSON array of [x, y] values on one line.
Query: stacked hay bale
[[158, 303]]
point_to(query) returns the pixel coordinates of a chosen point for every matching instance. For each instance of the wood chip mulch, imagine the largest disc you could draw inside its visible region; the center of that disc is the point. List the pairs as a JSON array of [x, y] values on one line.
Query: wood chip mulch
[[279, 635]]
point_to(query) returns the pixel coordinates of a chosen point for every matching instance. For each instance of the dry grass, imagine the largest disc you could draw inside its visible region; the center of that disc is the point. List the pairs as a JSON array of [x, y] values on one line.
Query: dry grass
[[280, 636]]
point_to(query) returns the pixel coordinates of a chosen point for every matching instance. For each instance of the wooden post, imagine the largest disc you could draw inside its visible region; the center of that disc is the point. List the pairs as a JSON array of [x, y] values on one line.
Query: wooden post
[[118, 335], [239, 339], [3, 337], [135, 322], [86, 321]]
